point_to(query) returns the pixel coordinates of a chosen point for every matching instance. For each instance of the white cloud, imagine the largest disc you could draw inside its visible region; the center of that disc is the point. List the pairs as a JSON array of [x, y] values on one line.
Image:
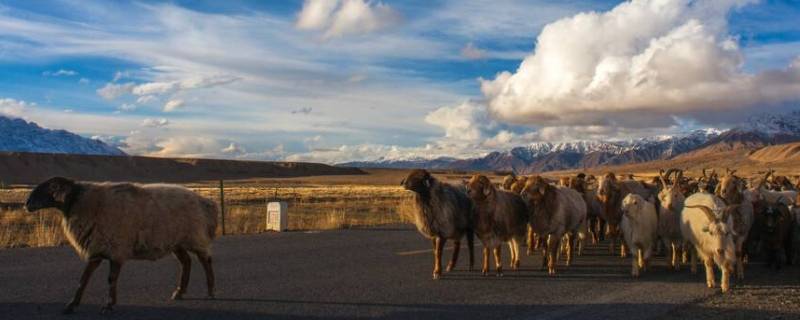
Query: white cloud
[[467, 121], [155, 123], [637, 65], [338, 18], [14, 108], [60, 73], [173, 105], [84, 81], [112, 91], [470, 51], [145, 99], [127, 107], [234, 149]]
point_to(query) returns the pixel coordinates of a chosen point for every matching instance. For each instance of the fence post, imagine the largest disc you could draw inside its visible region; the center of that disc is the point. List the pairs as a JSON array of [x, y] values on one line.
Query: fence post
[[222, 204]]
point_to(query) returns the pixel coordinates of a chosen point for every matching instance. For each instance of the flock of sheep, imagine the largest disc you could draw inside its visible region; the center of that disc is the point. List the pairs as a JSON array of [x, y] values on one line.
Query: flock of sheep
[[726, 219]]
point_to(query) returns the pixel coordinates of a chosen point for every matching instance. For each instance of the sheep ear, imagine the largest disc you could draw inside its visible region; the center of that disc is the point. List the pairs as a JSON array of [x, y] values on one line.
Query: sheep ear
[[487, 190], [427, 183], [402, 183], [705, 229]]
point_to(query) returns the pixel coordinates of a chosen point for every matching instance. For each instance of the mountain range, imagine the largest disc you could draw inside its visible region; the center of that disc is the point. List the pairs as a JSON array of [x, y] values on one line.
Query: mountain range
[[19, 135], [758, 131]]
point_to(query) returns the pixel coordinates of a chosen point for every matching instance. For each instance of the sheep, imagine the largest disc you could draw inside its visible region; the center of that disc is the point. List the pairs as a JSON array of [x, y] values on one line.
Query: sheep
[[555, 212], [671, 201], [733, 191], [501, 216], [124, 221], [772, 229], [639, 227], [707, 225], [442, 212], [509, 181], [610, 192], [593, 208], [787, 198]]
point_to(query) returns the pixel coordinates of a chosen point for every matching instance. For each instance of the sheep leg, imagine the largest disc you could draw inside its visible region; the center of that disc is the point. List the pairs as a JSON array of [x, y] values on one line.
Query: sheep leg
[[514, 246], [693, 267], [184, 272], [639, 261], [739, 265], [725, 281], [205, 261], [438, 247], [454, 258], [634, 268], [710, 281], [485, 267], [113, 276], [498, 263], [470, 247], [552, 252], [675, 264], [87, 274], [532, 243], [623, 249]]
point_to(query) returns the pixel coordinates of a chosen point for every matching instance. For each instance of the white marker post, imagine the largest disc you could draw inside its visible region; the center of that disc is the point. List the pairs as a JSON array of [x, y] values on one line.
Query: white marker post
[[277, 216]]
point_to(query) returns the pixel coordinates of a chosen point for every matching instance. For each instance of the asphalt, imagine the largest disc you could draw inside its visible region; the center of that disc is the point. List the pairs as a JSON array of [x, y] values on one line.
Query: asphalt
[[361, 273]]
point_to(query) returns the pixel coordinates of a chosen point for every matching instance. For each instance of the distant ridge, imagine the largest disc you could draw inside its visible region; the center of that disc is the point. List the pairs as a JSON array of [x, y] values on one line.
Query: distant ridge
[[22, 136], [33, 168], [757, 132]]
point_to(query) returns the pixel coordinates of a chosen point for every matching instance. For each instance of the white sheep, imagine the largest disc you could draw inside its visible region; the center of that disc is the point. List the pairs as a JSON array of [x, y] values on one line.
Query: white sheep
[[124, 221], [639, 227], [707, 224]]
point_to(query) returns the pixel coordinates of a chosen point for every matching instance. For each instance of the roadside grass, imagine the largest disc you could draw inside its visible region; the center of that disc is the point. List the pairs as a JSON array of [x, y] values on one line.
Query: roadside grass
[[316, 207]]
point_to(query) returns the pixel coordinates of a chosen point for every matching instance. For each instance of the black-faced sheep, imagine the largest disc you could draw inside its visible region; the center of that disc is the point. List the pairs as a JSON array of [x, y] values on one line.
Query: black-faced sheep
[[501, 217], [442, 212], [123, 221]]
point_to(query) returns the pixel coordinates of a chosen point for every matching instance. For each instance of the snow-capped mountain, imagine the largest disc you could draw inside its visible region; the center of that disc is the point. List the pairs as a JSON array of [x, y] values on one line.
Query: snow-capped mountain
[[21, 136], [756, 132]]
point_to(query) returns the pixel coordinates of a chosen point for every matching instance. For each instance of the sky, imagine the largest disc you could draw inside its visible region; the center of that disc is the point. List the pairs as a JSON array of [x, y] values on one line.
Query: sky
[[353, 80]]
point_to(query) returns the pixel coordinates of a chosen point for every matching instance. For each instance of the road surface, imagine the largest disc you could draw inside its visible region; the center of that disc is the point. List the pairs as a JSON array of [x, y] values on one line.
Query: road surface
[[370, 273]]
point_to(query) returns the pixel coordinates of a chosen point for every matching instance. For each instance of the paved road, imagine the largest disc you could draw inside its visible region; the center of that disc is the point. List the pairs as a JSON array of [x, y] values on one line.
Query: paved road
[[375, 273]]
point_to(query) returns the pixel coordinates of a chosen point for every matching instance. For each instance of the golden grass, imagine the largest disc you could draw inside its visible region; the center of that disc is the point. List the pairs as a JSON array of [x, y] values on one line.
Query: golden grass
[[311, 207]]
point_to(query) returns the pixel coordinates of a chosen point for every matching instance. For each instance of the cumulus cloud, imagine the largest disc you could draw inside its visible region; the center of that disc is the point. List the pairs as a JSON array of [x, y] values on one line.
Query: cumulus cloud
[[337, 18], [470, 51], [467, 121], [173, 105], [639, 64], [13, 108], [112, 91], [234, 149], [155, 123], [60, 73]]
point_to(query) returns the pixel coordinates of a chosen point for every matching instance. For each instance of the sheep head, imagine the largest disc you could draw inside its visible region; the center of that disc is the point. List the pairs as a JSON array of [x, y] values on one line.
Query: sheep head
[[419, 181], [509, 181], [56, 193], [480, 188], [535, 189]]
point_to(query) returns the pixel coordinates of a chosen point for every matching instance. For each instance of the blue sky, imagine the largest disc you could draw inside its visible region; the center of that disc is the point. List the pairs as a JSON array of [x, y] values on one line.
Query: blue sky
[[340, 80]]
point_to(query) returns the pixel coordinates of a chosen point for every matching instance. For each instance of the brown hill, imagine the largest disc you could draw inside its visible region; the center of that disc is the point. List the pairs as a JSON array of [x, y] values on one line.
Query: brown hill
[[779, 153], [32, 168]]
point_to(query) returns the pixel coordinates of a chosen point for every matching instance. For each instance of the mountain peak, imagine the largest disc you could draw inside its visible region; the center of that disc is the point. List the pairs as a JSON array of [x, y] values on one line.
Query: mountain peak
[[23, 136]]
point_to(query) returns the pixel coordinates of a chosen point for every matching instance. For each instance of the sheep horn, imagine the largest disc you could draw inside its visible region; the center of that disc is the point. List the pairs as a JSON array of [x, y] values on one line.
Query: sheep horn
[[709, 213], [661, 177]]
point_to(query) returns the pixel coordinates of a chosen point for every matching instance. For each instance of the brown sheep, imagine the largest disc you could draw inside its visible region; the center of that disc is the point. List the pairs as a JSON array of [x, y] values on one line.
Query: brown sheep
[[442, 212], [509, 181], [123, 221], [555, 212], [501, 216]]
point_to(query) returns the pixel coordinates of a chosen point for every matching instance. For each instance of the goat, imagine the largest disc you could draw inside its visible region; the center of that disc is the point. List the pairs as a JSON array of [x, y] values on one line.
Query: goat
[[610, 192], [707, 224], [639, 227], [671, 201], [733, 191]]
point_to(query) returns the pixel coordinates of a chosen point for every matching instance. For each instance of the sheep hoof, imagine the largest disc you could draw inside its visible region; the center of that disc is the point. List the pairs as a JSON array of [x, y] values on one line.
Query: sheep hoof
[[449, 268], [436, 276], [500, 274], [69, 309], [107, 309], [177, 295]]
